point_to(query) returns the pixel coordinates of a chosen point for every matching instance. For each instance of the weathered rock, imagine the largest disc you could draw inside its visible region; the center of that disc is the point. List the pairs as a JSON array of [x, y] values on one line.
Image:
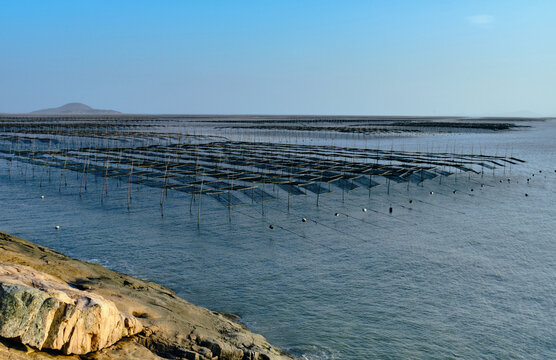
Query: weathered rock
[[173, 328], [122, 350], [40, 311], [222, 350]]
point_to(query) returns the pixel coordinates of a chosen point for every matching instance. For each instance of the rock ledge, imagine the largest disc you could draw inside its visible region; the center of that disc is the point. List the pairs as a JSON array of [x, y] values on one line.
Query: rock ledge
[[74, 306], [42, 312]]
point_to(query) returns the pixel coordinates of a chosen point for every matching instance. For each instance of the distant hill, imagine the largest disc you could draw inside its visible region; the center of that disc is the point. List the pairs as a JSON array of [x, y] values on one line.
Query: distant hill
[[74, 109]]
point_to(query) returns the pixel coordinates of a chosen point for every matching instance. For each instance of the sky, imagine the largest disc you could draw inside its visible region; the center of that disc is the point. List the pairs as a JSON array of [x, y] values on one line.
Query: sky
[[374, 57]]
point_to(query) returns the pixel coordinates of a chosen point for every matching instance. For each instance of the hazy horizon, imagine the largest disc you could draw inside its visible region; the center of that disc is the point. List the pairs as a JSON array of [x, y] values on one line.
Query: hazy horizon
[[524, 114], [461, 58]]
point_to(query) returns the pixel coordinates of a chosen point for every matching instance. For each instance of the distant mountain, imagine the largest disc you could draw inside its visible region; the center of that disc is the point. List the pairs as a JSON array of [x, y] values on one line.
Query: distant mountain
[[74, 109]]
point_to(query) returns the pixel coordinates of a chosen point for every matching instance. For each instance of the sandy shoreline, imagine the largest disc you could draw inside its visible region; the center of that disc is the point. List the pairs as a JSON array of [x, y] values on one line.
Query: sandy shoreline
[[173, 328]]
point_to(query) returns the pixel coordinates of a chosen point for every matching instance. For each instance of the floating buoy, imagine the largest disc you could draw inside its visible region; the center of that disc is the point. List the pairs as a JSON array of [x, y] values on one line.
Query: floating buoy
[[540, 171], [411, 201], [57, 227], [336, 214], [364, 209], [528, 180], [482, 185], [509, 179], [454, 191], [390, 210], [304, 220], [271, 226], [431, 193], [500, 180], [472, 190], [42, 196], [526, 194]]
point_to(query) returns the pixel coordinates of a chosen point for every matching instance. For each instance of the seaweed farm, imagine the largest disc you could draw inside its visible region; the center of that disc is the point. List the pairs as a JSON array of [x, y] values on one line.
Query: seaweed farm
[[175, 155], [425, 238]]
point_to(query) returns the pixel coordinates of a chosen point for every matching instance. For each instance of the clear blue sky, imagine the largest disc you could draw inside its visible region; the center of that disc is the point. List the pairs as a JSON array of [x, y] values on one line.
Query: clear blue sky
[[280, 57]]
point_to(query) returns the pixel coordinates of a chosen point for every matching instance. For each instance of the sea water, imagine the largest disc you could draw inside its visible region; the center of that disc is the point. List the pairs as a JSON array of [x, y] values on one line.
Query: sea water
[[470, 275]]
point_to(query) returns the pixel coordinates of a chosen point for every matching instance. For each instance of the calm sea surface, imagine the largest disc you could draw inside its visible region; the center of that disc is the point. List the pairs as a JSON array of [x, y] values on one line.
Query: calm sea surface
[[470, 275]]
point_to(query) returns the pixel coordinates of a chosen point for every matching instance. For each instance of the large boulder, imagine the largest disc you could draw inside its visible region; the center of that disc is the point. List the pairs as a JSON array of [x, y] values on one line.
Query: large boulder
[[43, 312]]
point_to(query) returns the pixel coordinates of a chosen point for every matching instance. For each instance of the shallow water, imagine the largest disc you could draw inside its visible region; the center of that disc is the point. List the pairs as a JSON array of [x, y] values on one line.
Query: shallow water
[[466, 275]]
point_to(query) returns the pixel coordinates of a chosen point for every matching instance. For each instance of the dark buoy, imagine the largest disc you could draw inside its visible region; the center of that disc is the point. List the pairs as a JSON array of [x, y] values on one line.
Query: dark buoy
[[57, 227], [411, 201], [454, 191], [526, 194], [540, 171], [482, 185], [500, 180], [390, 210], [431, 193], [304, 220], [271, 226], [364, 209], [336, 214], [472, 190]]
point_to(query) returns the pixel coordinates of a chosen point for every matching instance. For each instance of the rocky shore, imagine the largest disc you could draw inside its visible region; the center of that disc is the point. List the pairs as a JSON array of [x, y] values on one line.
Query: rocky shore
[[56, 307]]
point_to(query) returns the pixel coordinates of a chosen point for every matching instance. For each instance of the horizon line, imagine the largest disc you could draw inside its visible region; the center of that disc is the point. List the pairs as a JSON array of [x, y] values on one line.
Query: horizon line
[[30, 114]]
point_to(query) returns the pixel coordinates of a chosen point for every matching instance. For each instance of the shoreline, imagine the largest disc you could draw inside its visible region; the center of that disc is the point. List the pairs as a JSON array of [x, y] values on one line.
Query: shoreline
[[172, 327]]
